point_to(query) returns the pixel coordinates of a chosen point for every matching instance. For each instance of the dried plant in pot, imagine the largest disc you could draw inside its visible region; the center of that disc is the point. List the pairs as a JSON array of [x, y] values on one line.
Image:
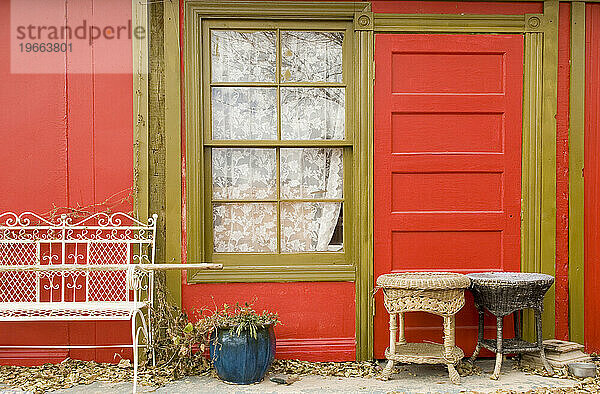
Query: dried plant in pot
[[242, 344]]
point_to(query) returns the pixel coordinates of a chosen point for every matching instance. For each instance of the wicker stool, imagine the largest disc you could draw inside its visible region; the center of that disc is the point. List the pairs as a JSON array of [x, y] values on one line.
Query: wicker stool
[[503, 293], [440, 293]]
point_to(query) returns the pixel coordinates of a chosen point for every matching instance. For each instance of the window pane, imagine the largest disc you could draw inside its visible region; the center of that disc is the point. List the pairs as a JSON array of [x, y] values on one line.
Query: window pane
[[312, 113], [309, 226], [244, 173], [312, 173], [311, 56], [244, 113], [242, 56], [239, 228]]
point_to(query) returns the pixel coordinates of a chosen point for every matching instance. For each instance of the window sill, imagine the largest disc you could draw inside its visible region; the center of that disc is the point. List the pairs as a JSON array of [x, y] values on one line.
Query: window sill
[[297, 273]]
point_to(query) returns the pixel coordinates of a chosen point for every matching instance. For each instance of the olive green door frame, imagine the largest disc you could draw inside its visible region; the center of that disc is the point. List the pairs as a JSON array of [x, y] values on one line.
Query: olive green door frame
[[538, 182]]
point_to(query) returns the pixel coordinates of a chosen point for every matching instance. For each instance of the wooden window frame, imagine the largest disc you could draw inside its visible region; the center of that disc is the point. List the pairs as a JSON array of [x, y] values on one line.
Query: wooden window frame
[[278, 260], [356, 20]]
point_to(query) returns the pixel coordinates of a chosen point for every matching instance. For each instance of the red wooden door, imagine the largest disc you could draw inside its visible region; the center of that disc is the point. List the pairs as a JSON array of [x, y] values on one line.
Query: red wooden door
[[448, 125]]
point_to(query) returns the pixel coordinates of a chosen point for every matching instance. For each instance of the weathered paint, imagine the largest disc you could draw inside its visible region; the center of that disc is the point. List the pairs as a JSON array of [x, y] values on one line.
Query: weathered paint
[[561, 283], [66, 142], [592, 178]]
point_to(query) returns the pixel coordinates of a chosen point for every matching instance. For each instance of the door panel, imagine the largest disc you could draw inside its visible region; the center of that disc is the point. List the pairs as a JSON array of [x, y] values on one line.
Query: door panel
[[448, 125]]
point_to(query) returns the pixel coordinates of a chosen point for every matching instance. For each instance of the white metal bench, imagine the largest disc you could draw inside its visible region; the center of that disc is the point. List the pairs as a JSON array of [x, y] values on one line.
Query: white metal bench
[[98, 268], [92, 269]]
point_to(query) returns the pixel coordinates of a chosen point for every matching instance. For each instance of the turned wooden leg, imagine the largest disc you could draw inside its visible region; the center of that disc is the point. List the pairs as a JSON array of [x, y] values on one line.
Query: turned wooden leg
[[401, 338], [498, 367], [449, 328], [387, 371], [479, 338], [540, 341]]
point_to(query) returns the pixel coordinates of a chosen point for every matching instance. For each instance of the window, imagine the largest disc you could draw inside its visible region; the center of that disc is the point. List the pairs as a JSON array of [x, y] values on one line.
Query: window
[[277, 142]]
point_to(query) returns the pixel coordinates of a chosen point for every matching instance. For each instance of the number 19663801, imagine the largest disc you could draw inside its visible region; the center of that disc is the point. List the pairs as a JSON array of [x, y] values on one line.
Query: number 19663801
[[45, 47]]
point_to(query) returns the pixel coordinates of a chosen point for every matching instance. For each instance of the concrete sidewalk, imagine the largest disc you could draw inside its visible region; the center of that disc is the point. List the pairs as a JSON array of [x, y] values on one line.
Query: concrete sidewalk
[[408, 379]]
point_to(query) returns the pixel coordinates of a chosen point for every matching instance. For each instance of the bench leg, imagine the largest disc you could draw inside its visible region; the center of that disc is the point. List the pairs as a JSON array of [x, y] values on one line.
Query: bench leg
[[134, 338], [149, 337]]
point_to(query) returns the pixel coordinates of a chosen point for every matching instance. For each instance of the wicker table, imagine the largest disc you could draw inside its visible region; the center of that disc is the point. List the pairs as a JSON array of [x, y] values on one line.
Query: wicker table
[[440, 293], [503, 293]]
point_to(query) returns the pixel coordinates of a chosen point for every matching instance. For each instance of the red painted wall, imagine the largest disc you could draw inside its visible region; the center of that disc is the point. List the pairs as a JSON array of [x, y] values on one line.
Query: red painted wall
[[592, 178], [562, 175], [66, 141], [317, 317]]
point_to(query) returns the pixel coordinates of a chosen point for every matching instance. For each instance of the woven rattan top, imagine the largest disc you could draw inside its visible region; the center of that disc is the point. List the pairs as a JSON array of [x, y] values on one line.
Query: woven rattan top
[[423, 280], [509, 278]]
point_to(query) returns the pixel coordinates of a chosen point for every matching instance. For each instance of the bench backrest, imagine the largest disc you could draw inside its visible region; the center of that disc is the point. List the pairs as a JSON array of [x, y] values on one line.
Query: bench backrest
[[28, 239]]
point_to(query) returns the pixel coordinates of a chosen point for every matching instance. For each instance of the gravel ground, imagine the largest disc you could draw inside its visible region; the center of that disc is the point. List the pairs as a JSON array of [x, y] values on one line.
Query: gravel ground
[[89, 378], [407, 379]]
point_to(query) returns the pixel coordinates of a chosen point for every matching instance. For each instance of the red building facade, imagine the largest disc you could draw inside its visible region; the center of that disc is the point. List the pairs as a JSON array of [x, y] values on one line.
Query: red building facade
[[454, 168]]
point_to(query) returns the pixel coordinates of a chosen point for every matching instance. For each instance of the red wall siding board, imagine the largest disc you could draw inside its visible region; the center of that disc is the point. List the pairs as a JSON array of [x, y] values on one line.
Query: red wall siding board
[[113, 165], [66, 142], [592, 178], [562, 175], [34, 169], [308, 311], [79, 95], [33, 153], [457, 7], [113, 140]]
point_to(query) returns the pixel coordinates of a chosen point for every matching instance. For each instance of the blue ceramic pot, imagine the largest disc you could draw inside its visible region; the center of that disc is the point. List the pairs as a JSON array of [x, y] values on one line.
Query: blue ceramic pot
[[242, 359]]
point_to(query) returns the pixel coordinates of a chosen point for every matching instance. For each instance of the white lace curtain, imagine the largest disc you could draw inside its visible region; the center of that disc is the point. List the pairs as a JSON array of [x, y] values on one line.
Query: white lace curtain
[[250, 174], [251, 113]]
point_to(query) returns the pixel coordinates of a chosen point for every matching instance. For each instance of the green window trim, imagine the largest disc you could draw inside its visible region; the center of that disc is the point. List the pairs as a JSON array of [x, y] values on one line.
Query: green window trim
[[251, 266], [357, 18], [266, 261]]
